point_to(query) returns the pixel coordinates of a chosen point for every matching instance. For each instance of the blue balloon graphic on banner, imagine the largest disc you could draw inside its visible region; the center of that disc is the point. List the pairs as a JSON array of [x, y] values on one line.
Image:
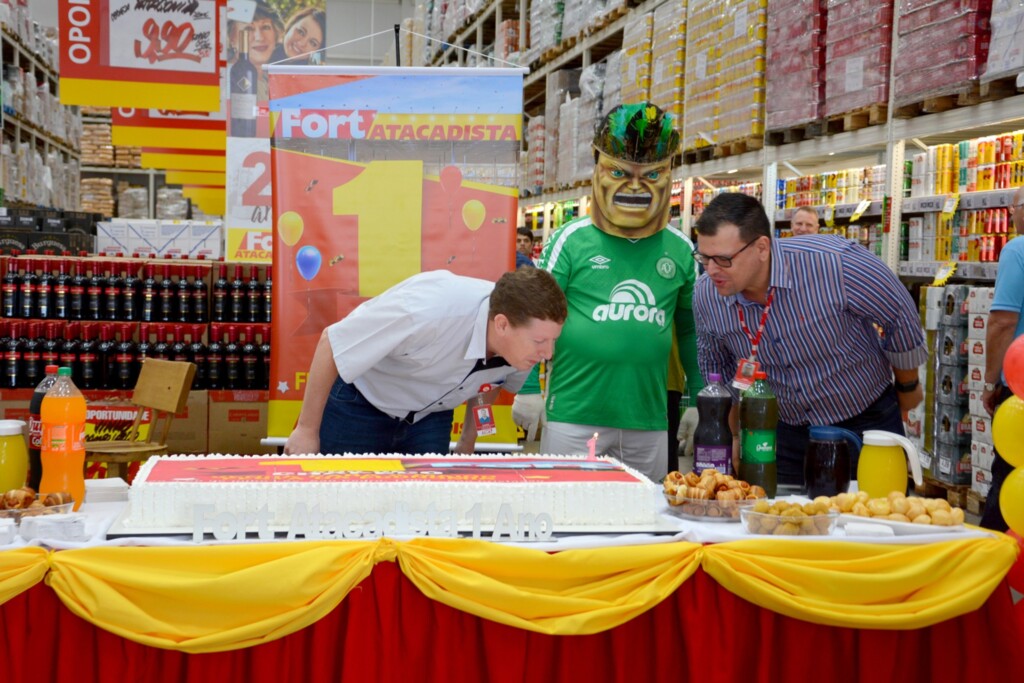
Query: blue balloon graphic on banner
[[308, 260]]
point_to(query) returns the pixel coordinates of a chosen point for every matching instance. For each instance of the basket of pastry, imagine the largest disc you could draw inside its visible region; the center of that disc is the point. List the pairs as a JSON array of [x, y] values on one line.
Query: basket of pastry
[[709, 496], [25, 502]]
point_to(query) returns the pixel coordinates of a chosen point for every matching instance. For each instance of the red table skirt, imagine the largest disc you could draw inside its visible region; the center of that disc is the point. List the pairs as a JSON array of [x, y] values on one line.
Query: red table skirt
[[386, 630]]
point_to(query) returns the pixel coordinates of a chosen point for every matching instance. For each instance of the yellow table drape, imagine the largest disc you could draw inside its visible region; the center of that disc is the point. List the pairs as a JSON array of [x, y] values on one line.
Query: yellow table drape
[[862, 585], [575, 591], [213, 598], [20, 570]]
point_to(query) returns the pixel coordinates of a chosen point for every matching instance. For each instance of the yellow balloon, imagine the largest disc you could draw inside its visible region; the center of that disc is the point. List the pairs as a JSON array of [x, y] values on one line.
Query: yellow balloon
[[473, 213], [1011, 500], [1008, 431], [289, 227]]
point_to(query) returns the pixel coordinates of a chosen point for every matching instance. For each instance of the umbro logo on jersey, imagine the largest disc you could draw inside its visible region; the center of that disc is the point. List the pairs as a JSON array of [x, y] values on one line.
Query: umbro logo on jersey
[[631, 300], [600, 262]]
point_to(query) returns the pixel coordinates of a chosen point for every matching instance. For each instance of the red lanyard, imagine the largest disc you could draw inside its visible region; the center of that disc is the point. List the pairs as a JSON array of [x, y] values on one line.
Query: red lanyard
[[755, 339]]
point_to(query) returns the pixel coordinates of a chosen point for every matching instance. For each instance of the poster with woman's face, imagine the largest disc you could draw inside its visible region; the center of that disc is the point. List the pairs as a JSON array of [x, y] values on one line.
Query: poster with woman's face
[[275, 32]]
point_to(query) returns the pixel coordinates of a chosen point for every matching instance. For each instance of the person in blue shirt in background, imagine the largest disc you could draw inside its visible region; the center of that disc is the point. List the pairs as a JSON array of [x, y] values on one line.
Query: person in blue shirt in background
[[524, 248]]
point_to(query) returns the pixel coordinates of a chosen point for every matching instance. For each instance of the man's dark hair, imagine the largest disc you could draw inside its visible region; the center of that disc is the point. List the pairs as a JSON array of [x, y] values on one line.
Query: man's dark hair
[[743, 211], [525, 232], [528, 293]]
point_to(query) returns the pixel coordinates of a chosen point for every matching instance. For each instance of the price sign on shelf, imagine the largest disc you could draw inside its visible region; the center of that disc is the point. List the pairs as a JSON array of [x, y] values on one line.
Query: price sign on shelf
[[830, 215], [946, 271], [863, 206], [949, 206]]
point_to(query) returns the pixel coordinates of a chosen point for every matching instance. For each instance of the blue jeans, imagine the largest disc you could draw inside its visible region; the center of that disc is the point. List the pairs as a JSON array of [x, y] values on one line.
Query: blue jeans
[[792, 440], [351, 424]]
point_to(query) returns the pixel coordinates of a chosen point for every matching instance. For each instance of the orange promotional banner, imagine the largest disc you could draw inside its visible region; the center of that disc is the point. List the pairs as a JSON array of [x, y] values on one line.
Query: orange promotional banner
[[140, 54], [412, 170]]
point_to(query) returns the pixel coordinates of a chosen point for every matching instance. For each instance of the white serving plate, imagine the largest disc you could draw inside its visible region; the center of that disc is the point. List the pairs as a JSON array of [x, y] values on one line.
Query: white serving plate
[[902, 528]]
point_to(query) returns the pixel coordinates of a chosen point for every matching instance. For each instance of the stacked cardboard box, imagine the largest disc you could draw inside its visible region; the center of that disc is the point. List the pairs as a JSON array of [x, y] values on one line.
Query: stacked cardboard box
[[588, 116], [636, 57], [941, 49], [567, 134], [952, 417], [858, 47], [796, 63], [561, 86], [1006, 52], [668, 54], [97, 196], [535, 136], [979, 302], [97, 148]]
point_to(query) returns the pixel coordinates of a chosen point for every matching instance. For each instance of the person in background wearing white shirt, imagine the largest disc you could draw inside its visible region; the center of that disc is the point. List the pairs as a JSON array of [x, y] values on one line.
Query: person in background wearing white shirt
[[386, 378]]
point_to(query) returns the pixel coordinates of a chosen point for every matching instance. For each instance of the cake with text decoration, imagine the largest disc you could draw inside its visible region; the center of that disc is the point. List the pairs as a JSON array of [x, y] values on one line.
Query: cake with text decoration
[[373, 491]]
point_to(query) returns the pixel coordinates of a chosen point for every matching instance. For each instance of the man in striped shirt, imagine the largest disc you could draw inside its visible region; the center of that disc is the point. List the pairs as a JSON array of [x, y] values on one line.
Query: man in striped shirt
[[820, 299]]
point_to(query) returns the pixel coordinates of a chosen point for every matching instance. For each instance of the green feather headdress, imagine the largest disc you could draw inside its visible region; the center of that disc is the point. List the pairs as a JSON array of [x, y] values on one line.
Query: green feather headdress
[[640, 133]]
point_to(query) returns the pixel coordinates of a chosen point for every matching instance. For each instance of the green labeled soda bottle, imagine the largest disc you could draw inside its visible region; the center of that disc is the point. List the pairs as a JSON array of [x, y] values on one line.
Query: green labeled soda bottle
[[759, 416]]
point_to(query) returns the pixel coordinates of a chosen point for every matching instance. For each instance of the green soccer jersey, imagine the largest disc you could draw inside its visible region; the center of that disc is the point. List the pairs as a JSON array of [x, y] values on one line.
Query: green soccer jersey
[[611, 361]]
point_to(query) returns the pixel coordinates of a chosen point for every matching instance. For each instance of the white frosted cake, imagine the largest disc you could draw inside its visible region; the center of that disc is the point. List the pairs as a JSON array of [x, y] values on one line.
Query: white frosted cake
[[572, 492]]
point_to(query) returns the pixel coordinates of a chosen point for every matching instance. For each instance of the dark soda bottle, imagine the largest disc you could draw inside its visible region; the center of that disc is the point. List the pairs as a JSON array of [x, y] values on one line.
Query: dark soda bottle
[[44, 297], [11, 289], [215, 361], [92, 373], [250, 360], [35, 427], [76, 293], [264, 351], [113, 293], [239, 309], [12, 358], [31, 357], [232, 359], [105, 356], [254, 294], [184, 295], [197, 354], [712, 441], [94, 288], [166, 311], [759, 417], [268, 288], [125, 362], [62, 291], [220, 297], [29, 290], [147, 313], [49, 350], [130, 291], [199, 295], [69, 349]]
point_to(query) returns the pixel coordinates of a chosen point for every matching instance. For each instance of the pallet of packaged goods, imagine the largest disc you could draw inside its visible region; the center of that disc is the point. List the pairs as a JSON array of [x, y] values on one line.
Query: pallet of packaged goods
[[588, 116], [97, 148], [941, 52], [858, 47], [97, 195], [636, 57], [608, 16], [795, 71], [954, 494], [1005, 62], [668, 55], [561, 85], [700, 91]]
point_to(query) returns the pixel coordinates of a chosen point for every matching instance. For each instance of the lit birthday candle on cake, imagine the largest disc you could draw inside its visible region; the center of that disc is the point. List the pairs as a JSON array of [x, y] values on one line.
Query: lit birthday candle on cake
[[592, 447]]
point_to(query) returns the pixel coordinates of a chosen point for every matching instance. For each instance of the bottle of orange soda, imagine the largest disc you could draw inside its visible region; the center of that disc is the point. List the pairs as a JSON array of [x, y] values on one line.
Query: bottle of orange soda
[[63, 449]]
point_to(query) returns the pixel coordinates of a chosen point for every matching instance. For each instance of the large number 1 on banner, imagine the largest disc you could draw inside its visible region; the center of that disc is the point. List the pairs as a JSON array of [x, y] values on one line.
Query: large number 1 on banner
[[387, 200]]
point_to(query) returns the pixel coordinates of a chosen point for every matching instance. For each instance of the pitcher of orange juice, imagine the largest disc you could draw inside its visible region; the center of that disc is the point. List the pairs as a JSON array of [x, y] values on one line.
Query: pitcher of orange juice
[[883, 463]]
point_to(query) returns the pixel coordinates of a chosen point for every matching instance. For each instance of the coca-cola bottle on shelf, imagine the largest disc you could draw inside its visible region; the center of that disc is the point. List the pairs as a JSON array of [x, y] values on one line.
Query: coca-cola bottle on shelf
[[264, 347], [50, 347], [197, 353], [113, 292], [32, 358], [44, 295], [215, 360], [12, 289], [94, 287], [219, 308], [184, 295], [88, 359], [29, 289], [130, 290], [126, 370], [254, 294], [62, 291], [200, 297], [69, 348], [232, 358], [12, 356], [165, 287], [105, 350], [76, 292]]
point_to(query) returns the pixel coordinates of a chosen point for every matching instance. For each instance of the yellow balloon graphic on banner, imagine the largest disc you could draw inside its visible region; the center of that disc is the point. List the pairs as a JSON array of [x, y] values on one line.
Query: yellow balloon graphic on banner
[[290, 226], [473, 213], [1008, 431]]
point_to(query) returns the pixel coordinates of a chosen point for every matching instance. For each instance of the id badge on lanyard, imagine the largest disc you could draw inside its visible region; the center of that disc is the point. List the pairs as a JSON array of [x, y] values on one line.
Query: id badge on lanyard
[[483, 416], [746, 367]]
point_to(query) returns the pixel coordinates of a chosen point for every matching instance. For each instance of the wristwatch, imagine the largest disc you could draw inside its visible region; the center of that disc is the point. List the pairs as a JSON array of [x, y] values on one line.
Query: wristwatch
[[989, 386], [907, 387]]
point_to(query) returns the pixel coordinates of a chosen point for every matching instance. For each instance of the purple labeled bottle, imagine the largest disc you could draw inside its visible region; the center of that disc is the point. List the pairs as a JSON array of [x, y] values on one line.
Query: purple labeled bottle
[[712, 440]]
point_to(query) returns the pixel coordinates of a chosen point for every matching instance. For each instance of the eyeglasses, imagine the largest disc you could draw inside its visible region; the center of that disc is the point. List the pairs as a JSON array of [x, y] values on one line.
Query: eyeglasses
[[721, 261]]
